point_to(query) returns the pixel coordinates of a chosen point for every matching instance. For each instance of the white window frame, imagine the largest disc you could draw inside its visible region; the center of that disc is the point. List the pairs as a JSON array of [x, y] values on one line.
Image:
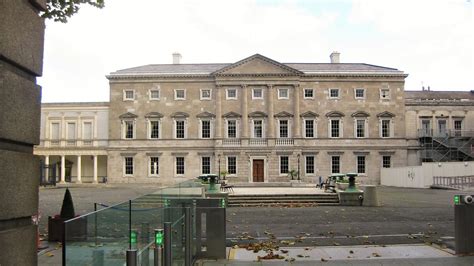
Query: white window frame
[[149, 127], [390, 124], [255, 97], [157, 167], [390, 159], [279, 165], [306, 165], [236, 128], [175, 132], [124, 129], [355, 94], [176, 98], [315, 135], [388, 96], [357, 164], [338, 93], [340, 165], [236, 165], [304, 93], [288, 128], [340, 128], [150, 94], [202, 98], [253, 128], [125, 166], [366, 127], [176, 166], [125, 98], [227, 97], [211, 127], [202, 165], [283, 97]]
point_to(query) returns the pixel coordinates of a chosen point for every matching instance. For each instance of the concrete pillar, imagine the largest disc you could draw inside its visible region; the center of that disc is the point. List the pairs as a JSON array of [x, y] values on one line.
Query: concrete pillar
[[79, 169], [271, 120], [218, 129], [95, 169], [296, 111], [46, 169], [63, 169], [245, 117]]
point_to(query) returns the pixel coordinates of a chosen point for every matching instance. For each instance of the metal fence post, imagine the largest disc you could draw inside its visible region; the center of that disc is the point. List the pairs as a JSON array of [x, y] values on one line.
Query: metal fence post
[[131, 257], [188, 236], [167, 248]]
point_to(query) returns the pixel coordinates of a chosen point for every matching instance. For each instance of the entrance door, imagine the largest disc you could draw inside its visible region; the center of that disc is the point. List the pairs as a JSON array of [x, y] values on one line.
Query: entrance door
[[443, 131], [258, 170]]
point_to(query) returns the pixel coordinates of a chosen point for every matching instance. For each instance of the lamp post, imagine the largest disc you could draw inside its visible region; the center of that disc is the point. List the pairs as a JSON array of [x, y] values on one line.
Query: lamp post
[[298, 156], [219, 164]]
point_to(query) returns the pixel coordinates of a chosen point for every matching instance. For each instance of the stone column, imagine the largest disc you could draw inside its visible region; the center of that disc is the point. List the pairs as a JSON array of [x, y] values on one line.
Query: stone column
[[245, 117], [63, 169], [95, 170], [79, 169], [271, 120], [296, 110], [218, 129], [46, 169]]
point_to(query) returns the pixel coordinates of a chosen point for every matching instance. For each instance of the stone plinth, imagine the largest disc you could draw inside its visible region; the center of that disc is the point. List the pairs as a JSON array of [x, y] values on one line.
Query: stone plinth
[[351, 198]]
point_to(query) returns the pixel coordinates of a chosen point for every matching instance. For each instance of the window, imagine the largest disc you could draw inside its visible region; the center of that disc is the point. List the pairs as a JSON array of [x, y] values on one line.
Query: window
[[179, 165], [335, 128], [180, 130], [257, 93], [129, 95], [283, 93], [283, 128], [231, 94], [457, 128], [71, 133], [232, 128], [154, 94], [308, 94], [55, 133], [154, 129], [384, 94], [359, 93], [333, 93], [309, 165], [360, 128], [87, 133], [205, 165], [232, 165], [284, 165], [309, 128], [335, 164], [128, 165], [205, 94], [361, 164], [129, 129], [258, 128], [386, 161], [385, 128], [180, 94], [205, 129], [154, 166]]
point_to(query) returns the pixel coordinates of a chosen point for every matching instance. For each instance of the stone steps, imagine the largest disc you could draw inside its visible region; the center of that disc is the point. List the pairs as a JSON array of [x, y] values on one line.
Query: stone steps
[[287, 199]]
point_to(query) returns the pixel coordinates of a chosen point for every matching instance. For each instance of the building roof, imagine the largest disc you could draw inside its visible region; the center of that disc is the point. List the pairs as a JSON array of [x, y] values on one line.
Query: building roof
[[440, 95], [76, 104]]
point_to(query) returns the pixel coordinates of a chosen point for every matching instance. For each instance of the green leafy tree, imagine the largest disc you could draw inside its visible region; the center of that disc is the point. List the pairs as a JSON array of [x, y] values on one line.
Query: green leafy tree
[[62, 10]]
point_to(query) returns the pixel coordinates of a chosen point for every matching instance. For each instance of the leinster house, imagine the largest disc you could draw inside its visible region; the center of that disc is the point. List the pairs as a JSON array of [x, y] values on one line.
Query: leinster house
[[257, 120]]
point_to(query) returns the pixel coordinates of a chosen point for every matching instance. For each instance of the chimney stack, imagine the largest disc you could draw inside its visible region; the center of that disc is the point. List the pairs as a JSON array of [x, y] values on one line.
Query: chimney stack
[[334, 57], [176, 58]]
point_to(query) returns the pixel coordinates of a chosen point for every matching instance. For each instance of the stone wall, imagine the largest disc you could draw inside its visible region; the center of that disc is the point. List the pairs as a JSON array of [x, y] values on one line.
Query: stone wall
[[21, 60]]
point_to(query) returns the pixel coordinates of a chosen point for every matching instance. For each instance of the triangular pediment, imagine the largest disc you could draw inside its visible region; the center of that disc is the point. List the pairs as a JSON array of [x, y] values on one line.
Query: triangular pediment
[[257, 65], [386, 114], [231, 115], [283, 114], [128, 115], [205, 115]]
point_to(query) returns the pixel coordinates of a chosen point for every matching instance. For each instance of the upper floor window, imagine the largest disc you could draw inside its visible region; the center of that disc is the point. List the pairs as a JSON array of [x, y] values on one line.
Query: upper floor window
[[257, 93], [231, 94], [180, 94], [308, 94], [359, 93], [257, 128], [205, 94], [334, 94], [309, 126], [154, 94], [384, 94], [231, 128], [180, 129], [154, 126], [129, 129], [360, 128], [205, 129], [283, 128], [335, 128], [283, 93], [129, 95], [385, 130]]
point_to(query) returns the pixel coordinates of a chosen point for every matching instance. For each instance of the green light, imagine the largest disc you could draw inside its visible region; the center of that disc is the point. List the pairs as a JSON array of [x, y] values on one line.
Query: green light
[[167, 202], [133, 237], [159, 237], [223, 203], [457, 199]]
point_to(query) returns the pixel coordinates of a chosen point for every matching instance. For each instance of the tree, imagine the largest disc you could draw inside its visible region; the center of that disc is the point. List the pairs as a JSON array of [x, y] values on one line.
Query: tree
[[62, 10]]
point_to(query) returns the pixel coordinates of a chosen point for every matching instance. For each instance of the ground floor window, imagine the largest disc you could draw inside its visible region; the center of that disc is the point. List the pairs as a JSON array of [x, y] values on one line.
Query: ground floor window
[[206, 165], [180, 165], [386, 161], [128, 161], [232, 165], [309, 165], [361, 164], [335, 164], [284, 165], [154, 166]]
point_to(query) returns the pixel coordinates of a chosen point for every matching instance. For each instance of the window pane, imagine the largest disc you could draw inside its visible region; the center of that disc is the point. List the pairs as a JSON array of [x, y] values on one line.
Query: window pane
[[179, 94], [386, 161], [206, 129], [129, 129], [206, 165], [232, 165], [154, 165], [360, 128], [334, 93], [129, 95], [309, 128], [284, 164], [283, 128], [360, 93], [283, 93], [310, 164], [257, 93], [258, 128], [361, 164], [180, 165], [231, 93], [335, 165], [154, 94], [231, 128], [154, 129], [180, 129], [308, 93], [335, 128], [385, 128], [206, 94], [129, 165]]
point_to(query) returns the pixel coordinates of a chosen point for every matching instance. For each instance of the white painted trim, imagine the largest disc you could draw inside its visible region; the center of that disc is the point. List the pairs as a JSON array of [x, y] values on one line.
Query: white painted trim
[[205, 98], [176, 95], [227, 94]]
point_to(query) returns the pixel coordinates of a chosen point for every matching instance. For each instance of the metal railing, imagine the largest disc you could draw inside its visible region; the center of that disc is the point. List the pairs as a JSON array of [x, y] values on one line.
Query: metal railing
[[457, 182], [446, 133]]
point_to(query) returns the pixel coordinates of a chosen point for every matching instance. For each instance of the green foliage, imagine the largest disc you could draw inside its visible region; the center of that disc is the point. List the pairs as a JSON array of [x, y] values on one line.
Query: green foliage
[[67, 210], [292, 174], [62, 10]]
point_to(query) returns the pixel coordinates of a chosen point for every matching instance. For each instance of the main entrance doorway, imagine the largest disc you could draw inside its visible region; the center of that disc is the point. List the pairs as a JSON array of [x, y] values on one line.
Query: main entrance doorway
[[258, 170]]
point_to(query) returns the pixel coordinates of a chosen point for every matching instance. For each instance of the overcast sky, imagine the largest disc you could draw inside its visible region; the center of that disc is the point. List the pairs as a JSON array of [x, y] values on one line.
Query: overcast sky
[[430, 40]]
